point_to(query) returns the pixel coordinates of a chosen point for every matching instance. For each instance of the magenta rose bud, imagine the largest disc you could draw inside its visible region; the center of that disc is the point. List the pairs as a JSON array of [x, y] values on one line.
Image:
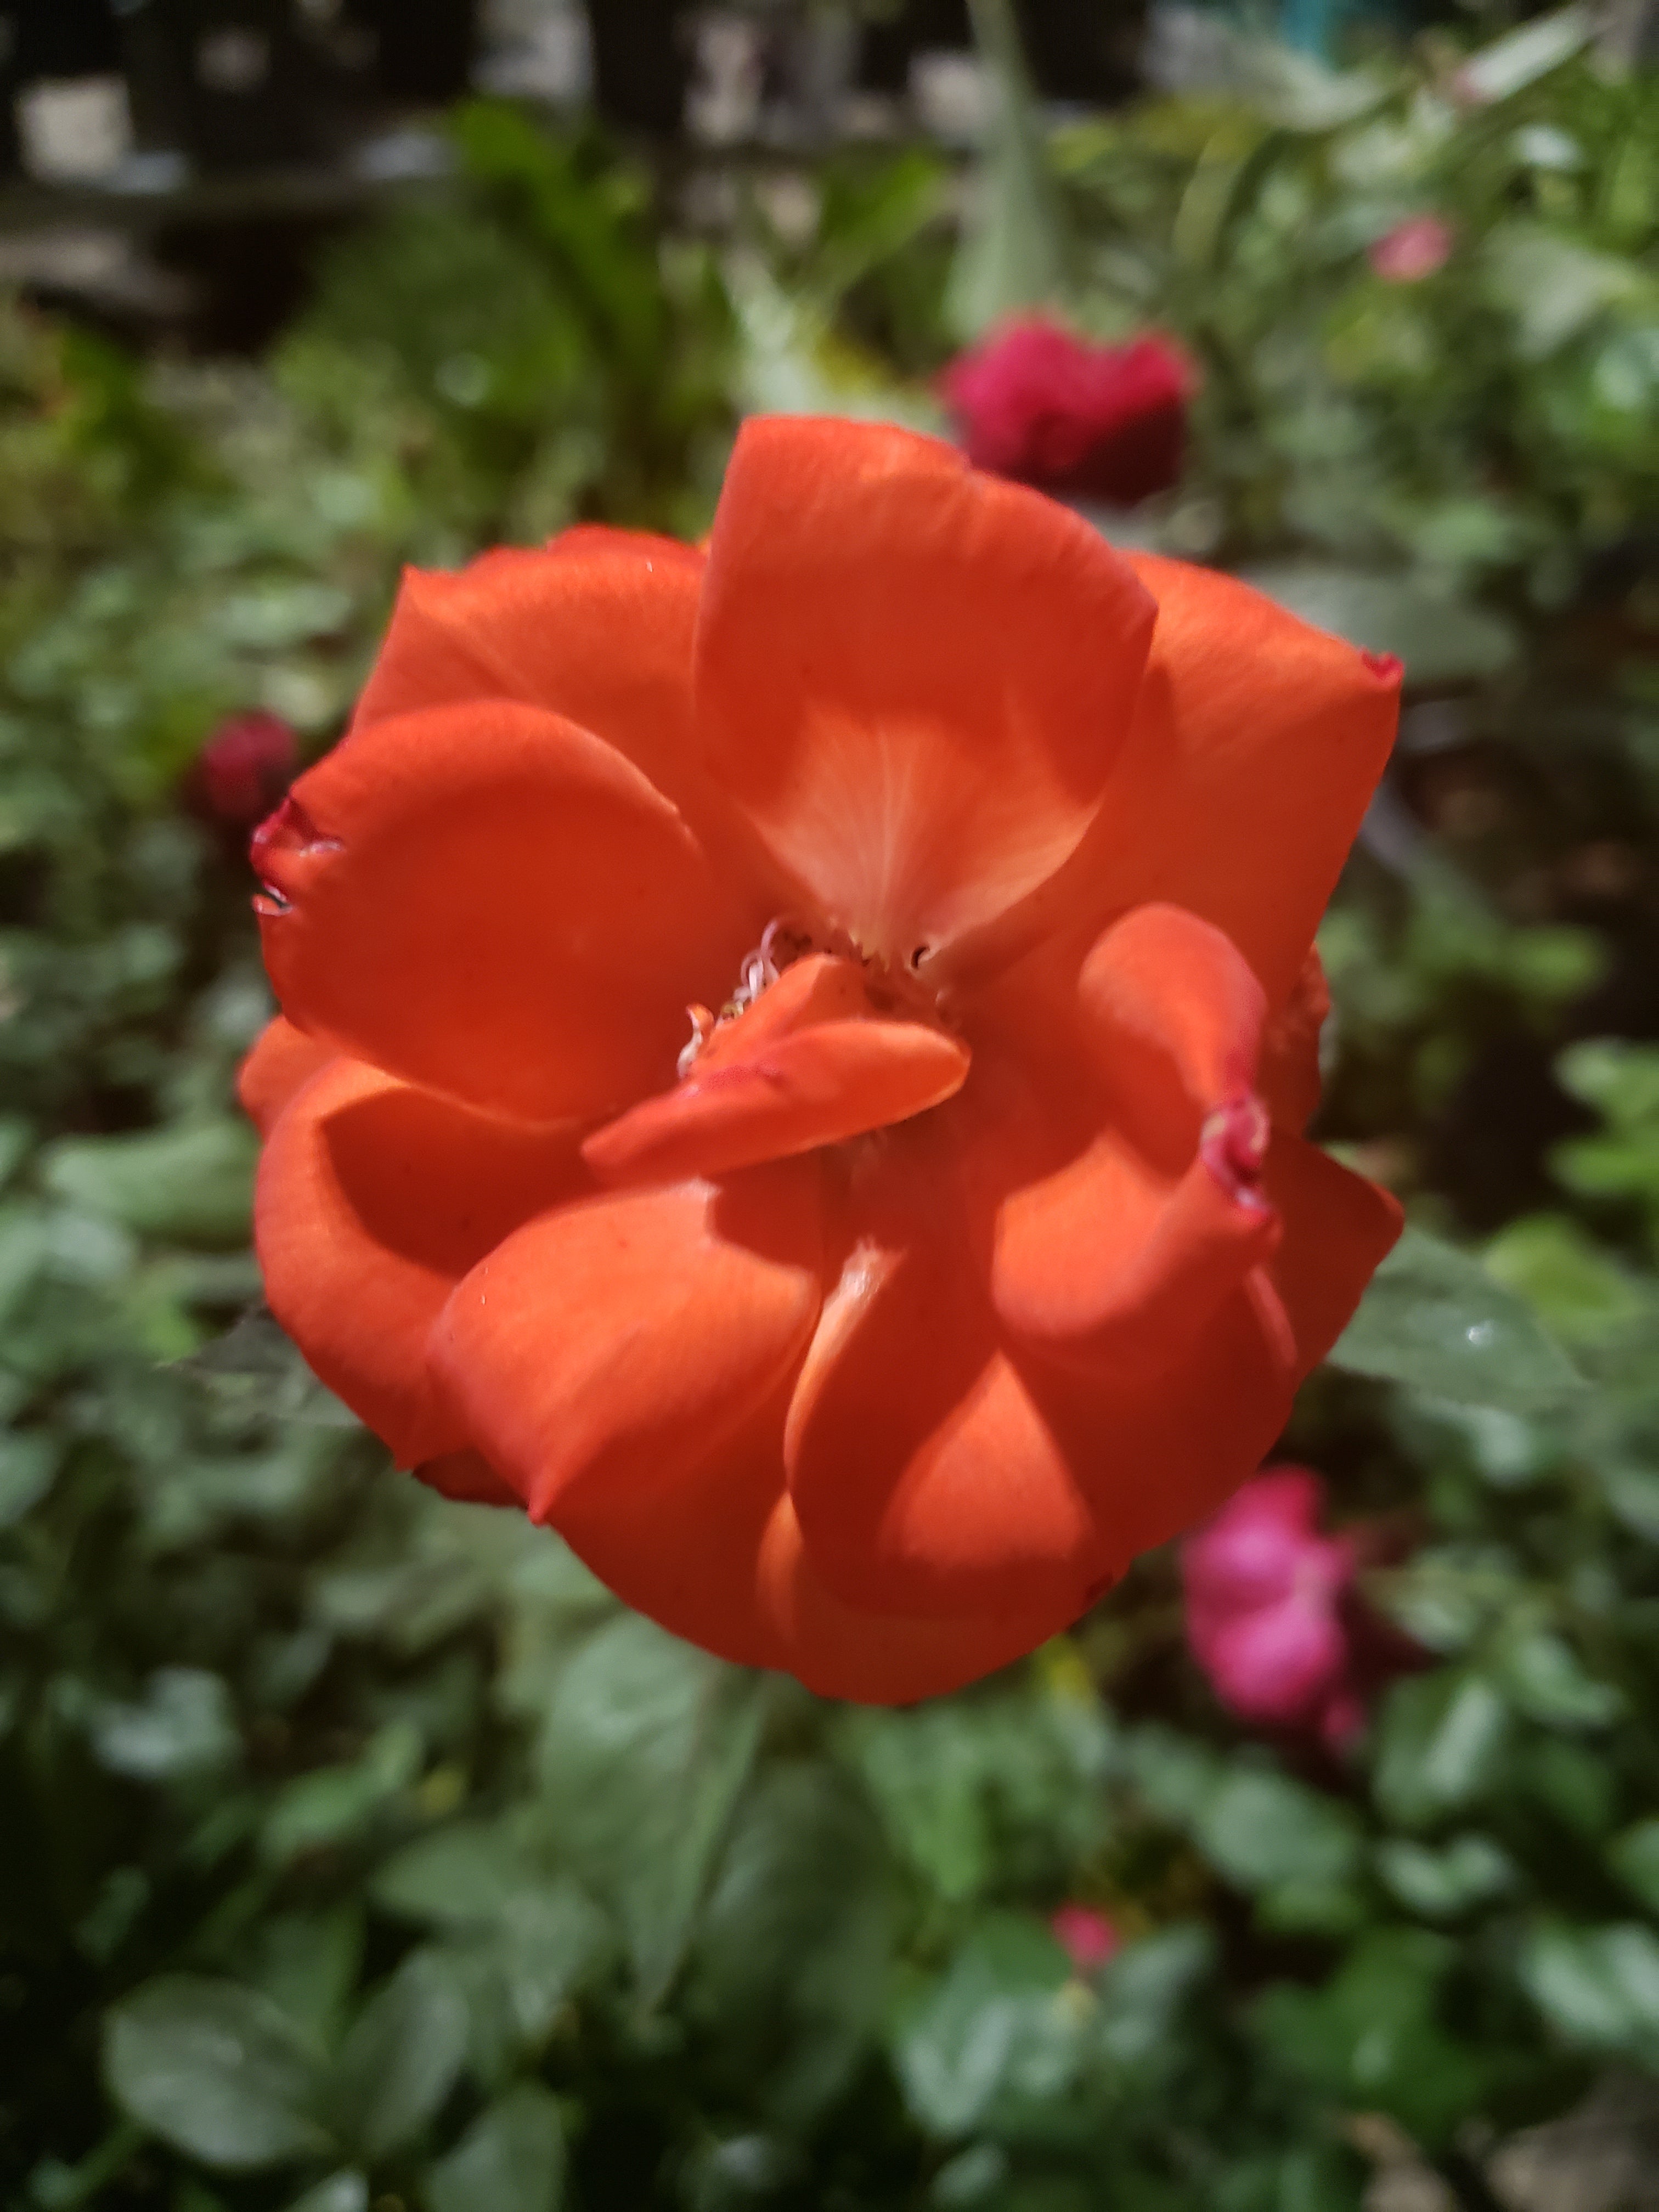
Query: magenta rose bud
[[244, 768], [1264, 1592], [1035, 403], [1087, 1937]]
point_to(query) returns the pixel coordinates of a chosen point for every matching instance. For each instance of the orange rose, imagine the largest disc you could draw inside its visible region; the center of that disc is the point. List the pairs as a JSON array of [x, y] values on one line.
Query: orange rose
[[966, 1245]]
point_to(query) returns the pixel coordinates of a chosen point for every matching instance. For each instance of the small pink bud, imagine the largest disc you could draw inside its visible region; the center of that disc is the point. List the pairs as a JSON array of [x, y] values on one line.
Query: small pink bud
[[1412, 250], [244, 768], [1087, 1937]]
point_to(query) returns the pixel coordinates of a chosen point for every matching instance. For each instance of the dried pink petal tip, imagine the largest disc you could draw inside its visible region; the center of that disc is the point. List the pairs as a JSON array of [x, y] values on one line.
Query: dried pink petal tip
[[289, 829], [1233, 1145], [1087, 1937], [281, 838]]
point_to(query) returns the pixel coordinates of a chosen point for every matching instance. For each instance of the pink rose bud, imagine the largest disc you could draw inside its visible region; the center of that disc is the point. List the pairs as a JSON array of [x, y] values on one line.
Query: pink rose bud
[[1087, 1937], [1412, 250], [1037, 403], [1264, 1591], [244, 768]]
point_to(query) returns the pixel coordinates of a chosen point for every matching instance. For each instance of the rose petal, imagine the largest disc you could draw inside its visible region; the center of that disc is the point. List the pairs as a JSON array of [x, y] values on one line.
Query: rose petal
[[283, 1061], [881, 1659], [1255, 745], [1338, 1229], [488, 901], [614, 1361], [889, 678], [596, 627], [374, 1199], [1118, 1258], [923, 1470], [467, 1479], [775, 1082]]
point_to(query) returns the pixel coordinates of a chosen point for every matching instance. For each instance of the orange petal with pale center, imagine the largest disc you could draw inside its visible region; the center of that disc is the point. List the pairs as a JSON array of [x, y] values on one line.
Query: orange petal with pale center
[[912, 678]]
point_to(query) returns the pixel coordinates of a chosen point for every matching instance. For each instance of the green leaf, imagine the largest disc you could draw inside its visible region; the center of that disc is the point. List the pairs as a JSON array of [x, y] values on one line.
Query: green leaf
[[1012, 252], [309, 1963], [1469, 1871], [1144, 1988], [1543, 1677], [185, 1722], [256, 1368], [1520, 57], [189, 1185], [28, 1462], [1439, 1739], [1574, 1285], [1434, 1320], [1599, 1987], [645, 1746], [984, 2022], [1634, 1857], [317, 1811], [510, 2160], [215, 2070], [1554, 287], [792, 1954], [345, 2192], [1262, 1831], [401, 2058], [1372, 2038], [1440, 638]]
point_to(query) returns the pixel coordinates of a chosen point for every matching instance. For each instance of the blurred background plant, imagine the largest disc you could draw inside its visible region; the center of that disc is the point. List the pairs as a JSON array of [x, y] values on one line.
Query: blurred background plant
[[356, 1849]]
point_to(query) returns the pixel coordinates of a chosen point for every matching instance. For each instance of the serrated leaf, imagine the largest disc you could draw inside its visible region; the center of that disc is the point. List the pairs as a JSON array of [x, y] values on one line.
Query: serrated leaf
[[1468, 1871], [400, 2060], [184, 1722], [1599, 1987], [1434, 1320], [467, 1871], [994, 2006], [1634, 1857], [318, 1810], [28, 1462], [512, 2159], [215, 2069], [345, 2192], [645, 1746], [1439, 1738], [190, 1185]]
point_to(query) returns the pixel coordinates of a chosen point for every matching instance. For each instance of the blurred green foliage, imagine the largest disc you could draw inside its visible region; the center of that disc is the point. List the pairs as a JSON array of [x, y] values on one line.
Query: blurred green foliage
[[357, 1850]]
